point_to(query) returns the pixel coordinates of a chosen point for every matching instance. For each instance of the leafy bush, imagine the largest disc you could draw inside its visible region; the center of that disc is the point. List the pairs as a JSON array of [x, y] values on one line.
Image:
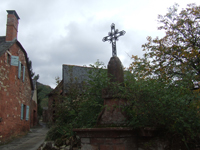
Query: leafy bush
[[152, 103], [169, 107], [81, 106]]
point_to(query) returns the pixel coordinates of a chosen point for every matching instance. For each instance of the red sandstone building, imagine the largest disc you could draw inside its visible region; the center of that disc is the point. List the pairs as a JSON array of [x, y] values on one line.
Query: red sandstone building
[[16, 87], [33, 105]]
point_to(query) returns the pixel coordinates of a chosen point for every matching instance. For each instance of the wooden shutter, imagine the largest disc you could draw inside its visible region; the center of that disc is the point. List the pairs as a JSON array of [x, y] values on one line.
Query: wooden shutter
[[14, 60], [27, 112], [22, 111], [24, 73], [19, 69]]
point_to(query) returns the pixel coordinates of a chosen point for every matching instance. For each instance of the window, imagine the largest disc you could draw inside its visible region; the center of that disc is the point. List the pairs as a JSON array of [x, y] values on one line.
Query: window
[[8, 58], [24, 112], [24, 73], [22, 67], [14, 60], [19, 69], [27, 112]]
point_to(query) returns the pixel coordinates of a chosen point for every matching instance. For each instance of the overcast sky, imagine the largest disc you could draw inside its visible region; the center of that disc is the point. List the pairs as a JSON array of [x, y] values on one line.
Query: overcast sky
[[57, 32]]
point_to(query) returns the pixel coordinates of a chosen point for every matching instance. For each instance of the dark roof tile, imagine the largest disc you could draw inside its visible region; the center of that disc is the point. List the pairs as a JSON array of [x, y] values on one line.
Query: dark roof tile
[[5, 45]]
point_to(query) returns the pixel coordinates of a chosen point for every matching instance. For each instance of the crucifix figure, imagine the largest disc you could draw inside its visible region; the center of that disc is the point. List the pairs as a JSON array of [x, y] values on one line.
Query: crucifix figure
[[113, 37]]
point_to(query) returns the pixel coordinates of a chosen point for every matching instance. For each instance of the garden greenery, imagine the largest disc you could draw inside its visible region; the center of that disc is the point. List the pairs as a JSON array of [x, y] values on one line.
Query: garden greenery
[[152, 103]]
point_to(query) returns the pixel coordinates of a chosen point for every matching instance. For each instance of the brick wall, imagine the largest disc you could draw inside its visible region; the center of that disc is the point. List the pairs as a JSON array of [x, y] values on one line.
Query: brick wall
[[13, 93]]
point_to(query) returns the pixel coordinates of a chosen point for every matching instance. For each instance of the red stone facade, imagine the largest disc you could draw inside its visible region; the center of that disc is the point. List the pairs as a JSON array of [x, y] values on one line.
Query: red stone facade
[[33, 114], [15, 84], [54, 99], [33, 111]]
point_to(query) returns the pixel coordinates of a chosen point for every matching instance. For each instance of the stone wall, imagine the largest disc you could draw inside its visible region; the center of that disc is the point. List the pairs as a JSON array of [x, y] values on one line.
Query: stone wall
[[33, 114], [106, 138], [13, 93], [33, 111], [49, 115], [53, 100], [121, 138]]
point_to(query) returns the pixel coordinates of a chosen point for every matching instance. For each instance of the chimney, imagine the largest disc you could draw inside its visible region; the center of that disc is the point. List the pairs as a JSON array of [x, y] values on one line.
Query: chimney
[[12, 25]]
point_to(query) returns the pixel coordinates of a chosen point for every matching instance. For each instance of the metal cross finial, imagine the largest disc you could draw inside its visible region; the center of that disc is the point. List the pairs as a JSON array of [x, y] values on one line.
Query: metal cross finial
[[113, 37]]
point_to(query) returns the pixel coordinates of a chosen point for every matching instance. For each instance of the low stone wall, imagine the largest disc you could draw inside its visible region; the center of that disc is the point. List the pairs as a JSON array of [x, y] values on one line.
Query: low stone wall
[[106, 138], [119, 138]]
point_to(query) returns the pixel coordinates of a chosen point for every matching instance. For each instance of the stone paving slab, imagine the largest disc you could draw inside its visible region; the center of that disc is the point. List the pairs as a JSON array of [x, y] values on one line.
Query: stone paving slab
[[31, 141]]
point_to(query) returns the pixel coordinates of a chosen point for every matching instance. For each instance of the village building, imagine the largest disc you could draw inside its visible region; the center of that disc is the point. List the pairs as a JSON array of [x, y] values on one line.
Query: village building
[[16, 87], [72, 76], [54, 96], [33, 111]]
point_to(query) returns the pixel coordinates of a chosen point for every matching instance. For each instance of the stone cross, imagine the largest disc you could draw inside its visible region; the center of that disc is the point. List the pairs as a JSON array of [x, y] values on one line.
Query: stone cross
[[113, 37]]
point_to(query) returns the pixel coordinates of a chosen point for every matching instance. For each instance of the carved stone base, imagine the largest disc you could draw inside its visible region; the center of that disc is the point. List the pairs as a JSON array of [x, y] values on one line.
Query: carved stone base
[[112, 114]]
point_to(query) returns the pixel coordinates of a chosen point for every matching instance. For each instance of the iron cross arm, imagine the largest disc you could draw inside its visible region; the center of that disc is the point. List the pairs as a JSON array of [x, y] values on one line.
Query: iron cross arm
[[109, 38], [113, 37]]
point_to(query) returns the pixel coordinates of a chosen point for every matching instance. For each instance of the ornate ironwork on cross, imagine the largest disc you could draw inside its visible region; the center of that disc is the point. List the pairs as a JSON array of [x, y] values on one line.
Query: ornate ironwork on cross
[[113, 37]]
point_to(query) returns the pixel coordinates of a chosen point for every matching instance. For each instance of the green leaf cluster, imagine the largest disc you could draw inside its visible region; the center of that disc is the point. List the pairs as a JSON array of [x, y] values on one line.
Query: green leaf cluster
[[161, 86], [42, 96], [176, 56]]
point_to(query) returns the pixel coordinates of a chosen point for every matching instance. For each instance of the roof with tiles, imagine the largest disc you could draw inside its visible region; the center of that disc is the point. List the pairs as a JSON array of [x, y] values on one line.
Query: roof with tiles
[[77, 75], [4, 46]]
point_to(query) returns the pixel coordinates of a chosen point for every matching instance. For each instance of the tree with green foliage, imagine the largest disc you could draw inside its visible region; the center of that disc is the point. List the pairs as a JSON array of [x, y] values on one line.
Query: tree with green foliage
[[171, 109], [36, 77], [33, 76], [43, 92], [58, 80], [160, 87], [176, 56]]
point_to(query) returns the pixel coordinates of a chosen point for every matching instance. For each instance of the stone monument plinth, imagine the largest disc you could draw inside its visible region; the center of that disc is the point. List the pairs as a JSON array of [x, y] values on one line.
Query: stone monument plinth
[[112, 114]]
